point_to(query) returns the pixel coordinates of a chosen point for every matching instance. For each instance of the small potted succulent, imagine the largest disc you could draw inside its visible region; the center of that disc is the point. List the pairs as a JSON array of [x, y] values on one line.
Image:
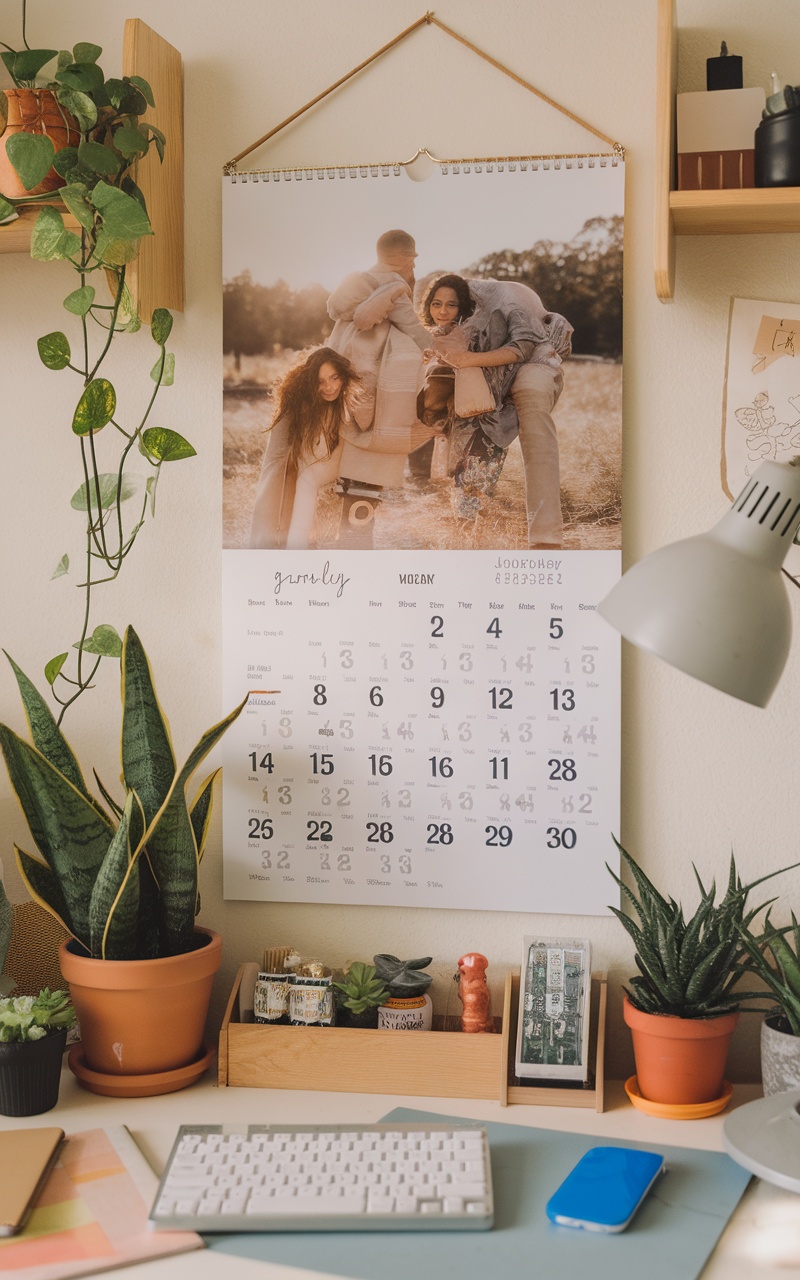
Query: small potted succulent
[[409, 1007], [683, 1006], [359, 995], [773, 955], [33, 1034]]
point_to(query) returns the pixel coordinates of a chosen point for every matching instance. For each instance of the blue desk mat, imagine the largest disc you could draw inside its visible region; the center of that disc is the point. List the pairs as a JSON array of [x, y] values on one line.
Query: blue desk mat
[[670, 1238]]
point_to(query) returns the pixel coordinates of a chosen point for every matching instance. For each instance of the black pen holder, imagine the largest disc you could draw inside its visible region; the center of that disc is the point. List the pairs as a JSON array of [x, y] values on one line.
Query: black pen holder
[[777, 155]]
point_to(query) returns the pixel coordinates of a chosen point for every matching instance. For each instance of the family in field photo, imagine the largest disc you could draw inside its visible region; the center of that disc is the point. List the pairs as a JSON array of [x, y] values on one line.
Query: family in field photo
[[424, 409]]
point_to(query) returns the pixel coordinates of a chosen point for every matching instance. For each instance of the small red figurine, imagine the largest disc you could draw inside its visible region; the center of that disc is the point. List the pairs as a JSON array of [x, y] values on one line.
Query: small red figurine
[[474, 993]]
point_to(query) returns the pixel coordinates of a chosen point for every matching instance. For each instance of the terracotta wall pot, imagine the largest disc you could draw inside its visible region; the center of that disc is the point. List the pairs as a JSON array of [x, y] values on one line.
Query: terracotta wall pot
[[679, 1060], [139, 1017], [35, 111], [780, 1056], [30, 1074]]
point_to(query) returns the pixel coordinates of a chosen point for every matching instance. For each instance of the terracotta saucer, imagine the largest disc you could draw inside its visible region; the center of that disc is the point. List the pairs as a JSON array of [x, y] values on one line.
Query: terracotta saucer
[[144, 1086], [678, 1110]]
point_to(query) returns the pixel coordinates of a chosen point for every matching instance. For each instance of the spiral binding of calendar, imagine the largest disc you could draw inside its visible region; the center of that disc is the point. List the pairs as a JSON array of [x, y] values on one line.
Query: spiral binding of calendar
[[512, 164]]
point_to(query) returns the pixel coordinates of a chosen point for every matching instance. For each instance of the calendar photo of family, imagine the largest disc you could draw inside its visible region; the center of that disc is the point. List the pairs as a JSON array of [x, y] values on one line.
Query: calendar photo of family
[[424, 364]]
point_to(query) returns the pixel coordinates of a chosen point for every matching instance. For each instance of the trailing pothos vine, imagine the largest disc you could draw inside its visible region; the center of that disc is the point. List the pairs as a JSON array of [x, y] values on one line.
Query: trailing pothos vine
[[105, 121]]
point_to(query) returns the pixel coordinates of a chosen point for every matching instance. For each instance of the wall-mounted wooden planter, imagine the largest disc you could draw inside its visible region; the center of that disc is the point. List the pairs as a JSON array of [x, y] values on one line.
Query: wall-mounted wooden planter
[[155, 279], [438, 1063]]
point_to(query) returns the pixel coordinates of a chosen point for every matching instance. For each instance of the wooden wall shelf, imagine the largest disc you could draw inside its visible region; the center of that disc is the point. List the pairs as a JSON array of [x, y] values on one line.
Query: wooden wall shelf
[[156, 277], [746, 212]]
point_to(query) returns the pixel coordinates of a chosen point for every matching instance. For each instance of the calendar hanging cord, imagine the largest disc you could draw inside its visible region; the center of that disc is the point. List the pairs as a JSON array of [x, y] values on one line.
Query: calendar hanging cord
[[428, 19]]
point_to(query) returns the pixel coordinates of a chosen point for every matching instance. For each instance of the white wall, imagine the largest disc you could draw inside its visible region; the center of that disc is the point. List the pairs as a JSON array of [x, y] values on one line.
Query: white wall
[[701, 774]]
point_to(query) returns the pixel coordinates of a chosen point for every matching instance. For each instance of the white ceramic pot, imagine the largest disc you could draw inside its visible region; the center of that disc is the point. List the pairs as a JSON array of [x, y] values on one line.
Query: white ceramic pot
[[411, 1013], [780, 1057]]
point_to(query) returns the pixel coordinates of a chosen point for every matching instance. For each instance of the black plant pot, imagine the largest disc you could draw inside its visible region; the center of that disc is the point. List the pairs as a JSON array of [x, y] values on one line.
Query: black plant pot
[[368, 1019], [30, 1074]]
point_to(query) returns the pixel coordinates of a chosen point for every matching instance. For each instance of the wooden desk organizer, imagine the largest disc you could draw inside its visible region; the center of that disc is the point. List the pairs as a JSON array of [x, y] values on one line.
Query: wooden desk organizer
[[439, 1063]]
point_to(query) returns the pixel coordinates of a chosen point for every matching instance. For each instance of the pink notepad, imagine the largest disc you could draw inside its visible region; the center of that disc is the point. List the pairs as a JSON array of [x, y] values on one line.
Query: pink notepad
[[92, 1213]]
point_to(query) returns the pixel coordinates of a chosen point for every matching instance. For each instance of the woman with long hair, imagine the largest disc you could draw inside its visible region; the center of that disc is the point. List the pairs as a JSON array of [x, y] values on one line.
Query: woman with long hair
[[313, 402], [478, 445]]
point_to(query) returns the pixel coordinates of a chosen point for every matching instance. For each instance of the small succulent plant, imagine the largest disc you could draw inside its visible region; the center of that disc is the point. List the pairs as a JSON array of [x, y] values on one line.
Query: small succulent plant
[[34, 1017], [403, 977], [687, 968], [774, 956], [361, 988]]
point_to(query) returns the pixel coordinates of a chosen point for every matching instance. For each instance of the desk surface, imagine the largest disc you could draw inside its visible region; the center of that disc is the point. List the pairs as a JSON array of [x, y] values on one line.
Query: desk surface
[[762, 1240]]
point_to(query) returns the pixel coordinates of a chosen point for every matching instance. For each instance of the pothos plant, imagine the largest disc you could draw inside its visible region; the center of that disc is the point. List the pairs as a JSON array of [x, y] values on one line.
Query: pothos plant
[[101, 193]]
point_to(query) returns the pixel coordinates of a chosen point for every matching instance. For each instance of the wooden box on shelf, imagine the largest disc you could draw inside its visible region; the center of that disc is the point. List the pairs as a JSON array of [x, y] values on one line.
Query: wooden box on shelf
[[439, 1063]]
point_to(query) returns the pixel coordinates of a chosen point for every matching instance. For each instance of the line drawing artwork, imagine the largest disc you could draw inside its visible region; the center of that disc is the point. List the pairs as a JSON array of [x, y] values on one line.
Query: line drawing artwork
[[767, 438]]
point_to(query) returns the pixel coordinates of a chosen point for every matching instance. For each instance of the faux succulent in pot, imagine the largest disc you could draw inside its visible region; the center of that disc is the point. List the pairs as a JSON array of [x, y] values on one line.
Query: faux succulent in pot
[[122, 877], [403, 977], [361, 989]]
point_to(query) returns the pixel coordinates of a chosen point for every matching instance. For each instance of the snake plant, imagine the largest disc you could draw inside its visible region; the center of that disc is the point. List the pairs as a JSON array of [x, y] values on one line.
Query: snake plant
[[774, 957], [121, 877], [687, 968]]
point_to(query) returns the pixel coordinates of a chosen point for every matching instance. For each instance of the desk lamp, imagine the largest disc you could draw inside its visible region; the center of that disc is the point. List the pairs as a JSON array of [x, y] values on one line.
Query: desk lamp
[[716, 607]]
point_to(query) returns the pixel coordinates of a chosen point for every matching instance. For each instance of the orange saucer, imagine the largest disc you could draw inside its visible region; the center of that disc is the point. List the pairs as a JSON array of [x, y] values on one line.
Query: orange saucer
[[678, 1110], [144, 1086]]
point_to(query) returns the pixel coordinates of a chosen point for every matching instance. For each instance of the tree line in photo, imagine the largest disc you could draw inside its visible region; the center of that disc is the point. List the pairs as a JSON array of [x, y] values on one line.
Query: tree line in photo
[[581, 279]]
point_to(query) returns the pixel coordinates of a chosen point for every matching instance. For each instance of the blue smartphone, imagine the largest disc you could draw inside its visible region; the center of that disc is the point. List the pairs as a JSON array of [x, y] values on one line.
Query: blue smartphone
[[604, 1190]]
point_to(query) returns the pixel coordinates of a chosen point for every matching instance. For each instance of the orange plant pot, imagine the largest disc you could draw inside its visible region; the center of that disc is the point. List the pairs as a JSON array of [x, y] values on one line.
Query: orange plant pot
[[679, 1060], [35, 111], [140, 1017]]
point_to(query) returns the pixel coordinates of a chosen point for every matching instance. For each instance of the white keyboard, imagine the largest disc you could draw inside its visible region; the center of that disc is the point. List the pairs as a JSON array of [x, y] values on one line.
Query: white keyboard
[[375, 1177]]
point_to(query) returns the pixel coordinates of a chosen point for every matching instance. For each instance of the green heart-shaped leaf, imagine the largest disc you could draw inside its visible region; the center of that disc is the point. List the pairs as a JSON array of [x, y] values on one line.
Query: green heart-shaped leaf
[[79, 105], [54, 666], [84, 78], [123, 217], [31, 155], [95, 408], [130, 141], [167, 374], [143, 87], [54, 350], [79, 302], [161, 325], [105, 641], [98, 158], [86, 52], [27, 64], [105, 495], [166, 445], [74, 197], [61, 568], [50, 239]]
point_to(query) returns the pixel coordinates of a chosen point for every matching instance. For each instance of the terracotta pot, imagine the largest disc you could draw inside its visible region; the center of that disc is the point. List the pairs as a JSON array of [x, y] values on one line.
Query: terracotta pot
[[30, 1074], [140, 1017], [679, 1060], [35, 111], [780, 1056]]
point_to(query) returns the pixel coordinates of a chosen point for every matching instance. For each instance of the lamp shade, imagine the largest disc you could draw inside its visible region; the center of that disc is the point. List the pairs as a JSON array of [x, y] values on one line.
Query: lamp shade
[[716, 606]]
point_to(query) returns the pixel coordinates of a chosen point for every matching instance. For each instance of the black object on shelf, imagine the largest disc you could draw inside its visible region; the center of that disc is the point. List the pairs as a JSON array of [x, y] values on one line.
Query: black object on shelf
[[724, 72], [777, 155]]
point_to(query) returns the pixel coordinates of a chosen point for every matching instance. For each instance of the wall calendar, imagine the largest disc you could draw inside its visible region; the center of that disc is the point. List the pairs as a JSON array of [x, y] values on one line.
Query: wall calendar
[[422, 456]]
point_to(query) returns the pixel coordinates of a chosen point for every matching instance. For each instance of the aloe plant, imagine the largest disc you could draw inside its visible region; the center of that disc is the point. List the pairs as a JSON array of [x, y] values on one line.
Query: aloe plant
[[687, 968], [121, 878], [774, 957], [403, 977]]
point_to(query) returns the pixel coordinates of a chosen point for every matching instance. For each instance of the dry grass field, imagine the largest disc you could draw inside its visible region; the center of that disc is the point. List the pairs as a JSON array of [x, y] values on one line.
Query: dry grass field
[[588, 416]]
